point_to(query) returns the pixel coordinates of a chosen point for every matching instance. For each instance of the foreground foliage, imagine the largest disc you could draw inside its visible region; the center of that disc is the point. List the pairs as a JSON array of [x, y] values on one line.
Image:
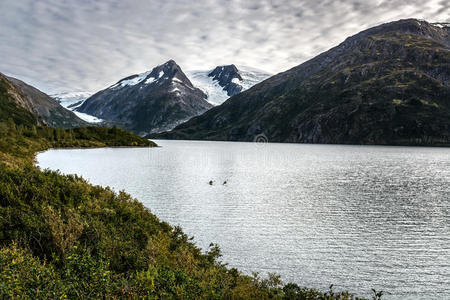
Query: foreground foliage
[[62, 237]]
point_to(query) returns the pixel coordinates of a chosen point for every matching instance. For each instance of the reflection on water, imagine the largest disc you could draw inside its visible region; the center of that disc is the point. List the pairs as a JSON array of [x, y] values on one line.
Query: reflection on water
[[359, 217]]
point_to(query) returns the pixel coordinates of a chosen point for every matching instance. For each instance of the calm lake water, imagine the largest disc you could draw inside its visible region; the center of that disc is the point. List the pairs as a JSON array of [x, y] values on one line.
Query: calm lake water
[[358, 217]]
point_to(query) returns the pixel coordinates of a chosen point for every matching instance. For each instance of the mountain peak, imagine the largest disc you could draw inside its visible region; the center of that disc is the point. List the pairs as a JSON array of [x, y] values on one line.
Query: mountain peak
[[225, 72], [170, 62], [229, 78], [170, 70], [417, 27], [169, 65]]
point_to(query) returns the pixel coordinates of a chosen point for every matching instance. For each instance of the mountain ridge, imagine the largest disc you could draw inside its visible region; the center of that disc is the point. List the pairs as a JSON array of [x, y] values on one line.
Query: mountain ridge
[[385, 85], [152, 101], [46, 109]]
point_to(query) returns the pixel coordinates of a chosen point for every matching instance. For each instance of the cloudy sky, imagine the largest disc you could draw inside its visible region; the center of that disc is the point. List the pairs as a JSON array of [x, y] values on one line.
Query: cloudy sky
[[85, 45]]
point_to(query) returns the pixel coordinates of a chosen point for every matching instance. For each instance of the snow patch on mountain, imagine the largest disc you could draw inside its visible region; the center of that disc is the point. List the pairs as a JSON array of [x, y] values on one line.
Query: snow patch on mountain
[[441, 25], [175, 90], [67, 99], [72, 100], [150, 80], [133, 80], [236, 80], [251, 76], [214, 92], [87, 118]]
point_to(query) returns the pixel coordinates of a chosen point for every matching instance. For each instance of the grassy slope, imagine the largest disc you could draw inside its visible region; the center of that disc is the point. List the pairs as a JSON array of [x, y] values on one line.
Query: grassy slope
[[61, 237]]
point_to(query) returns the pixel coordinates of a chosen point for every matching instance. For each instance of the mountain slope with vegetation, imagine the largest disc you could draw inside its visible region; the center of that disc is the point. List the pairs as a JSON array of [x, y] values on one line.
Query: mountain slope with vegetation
[[13, 106], [45, 108], [61, 237], [387, 85]]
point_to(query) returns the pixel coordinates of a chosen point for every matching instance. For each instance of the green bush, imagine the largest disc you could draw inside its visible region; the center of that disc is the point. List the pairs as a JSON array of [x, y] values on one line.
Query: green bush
[[23, 276]]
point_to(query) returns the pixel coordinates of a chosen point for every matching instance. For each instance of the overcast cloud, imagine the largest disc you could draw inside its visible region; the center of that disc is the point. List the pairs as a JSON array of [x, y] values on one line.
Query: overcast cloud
[[65, 45]]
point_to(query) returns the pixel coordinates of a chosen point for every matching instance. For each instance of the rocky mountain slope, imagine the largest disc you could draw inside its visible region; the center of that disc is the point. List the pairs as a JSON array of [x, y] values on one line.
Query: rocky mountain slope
[[44, 108], [386, 85], [150, 102], [223, 82], [13, 105]]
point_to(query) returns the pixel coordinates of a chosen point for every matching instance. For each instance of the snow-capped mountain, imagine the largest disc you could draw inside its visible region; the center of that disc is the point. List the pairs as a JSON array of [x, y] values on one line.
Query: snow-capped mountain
[[153, 101], [223, 82], [72, 100], [162, 98]]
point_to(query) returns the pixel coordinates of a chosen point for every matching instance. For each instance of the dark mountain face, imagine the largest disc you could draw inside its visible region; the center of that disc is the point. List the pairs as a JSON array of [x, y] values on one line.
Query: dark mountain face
[[386, 85], [151, 102], [45, 109], [229, 78]]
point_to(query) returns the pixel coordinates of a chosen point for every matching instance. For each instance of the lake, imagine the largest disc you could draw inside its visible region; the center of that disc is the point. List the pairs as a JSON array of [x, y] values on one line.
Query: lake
[[358, 217]]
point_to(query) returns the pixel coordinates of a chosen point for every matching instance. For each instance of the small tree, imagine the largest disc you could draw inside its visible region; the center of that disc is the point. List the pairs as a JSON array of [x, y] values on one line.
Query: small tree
[[64, 234]]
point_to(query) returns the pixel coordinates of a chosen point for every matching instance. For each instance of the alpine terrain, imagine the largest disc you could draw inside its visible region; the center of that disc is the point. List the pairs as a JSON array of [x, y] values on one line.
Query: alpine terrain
[[154, 101], [386, 85], [223, 82]]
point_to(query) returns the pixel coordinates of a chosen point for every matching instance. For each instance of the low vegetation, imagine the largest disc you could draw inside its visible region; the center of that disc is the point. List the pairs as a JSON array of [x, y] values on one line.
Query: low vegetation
[[61, 237]]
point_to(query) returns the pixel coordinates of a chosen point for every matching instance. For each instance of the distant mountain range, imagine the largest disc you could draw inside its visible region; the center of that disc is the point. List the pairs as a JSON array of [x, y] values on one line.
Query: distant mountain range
[[28, 105], [153, 101], [160, 99], [386, 85]]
